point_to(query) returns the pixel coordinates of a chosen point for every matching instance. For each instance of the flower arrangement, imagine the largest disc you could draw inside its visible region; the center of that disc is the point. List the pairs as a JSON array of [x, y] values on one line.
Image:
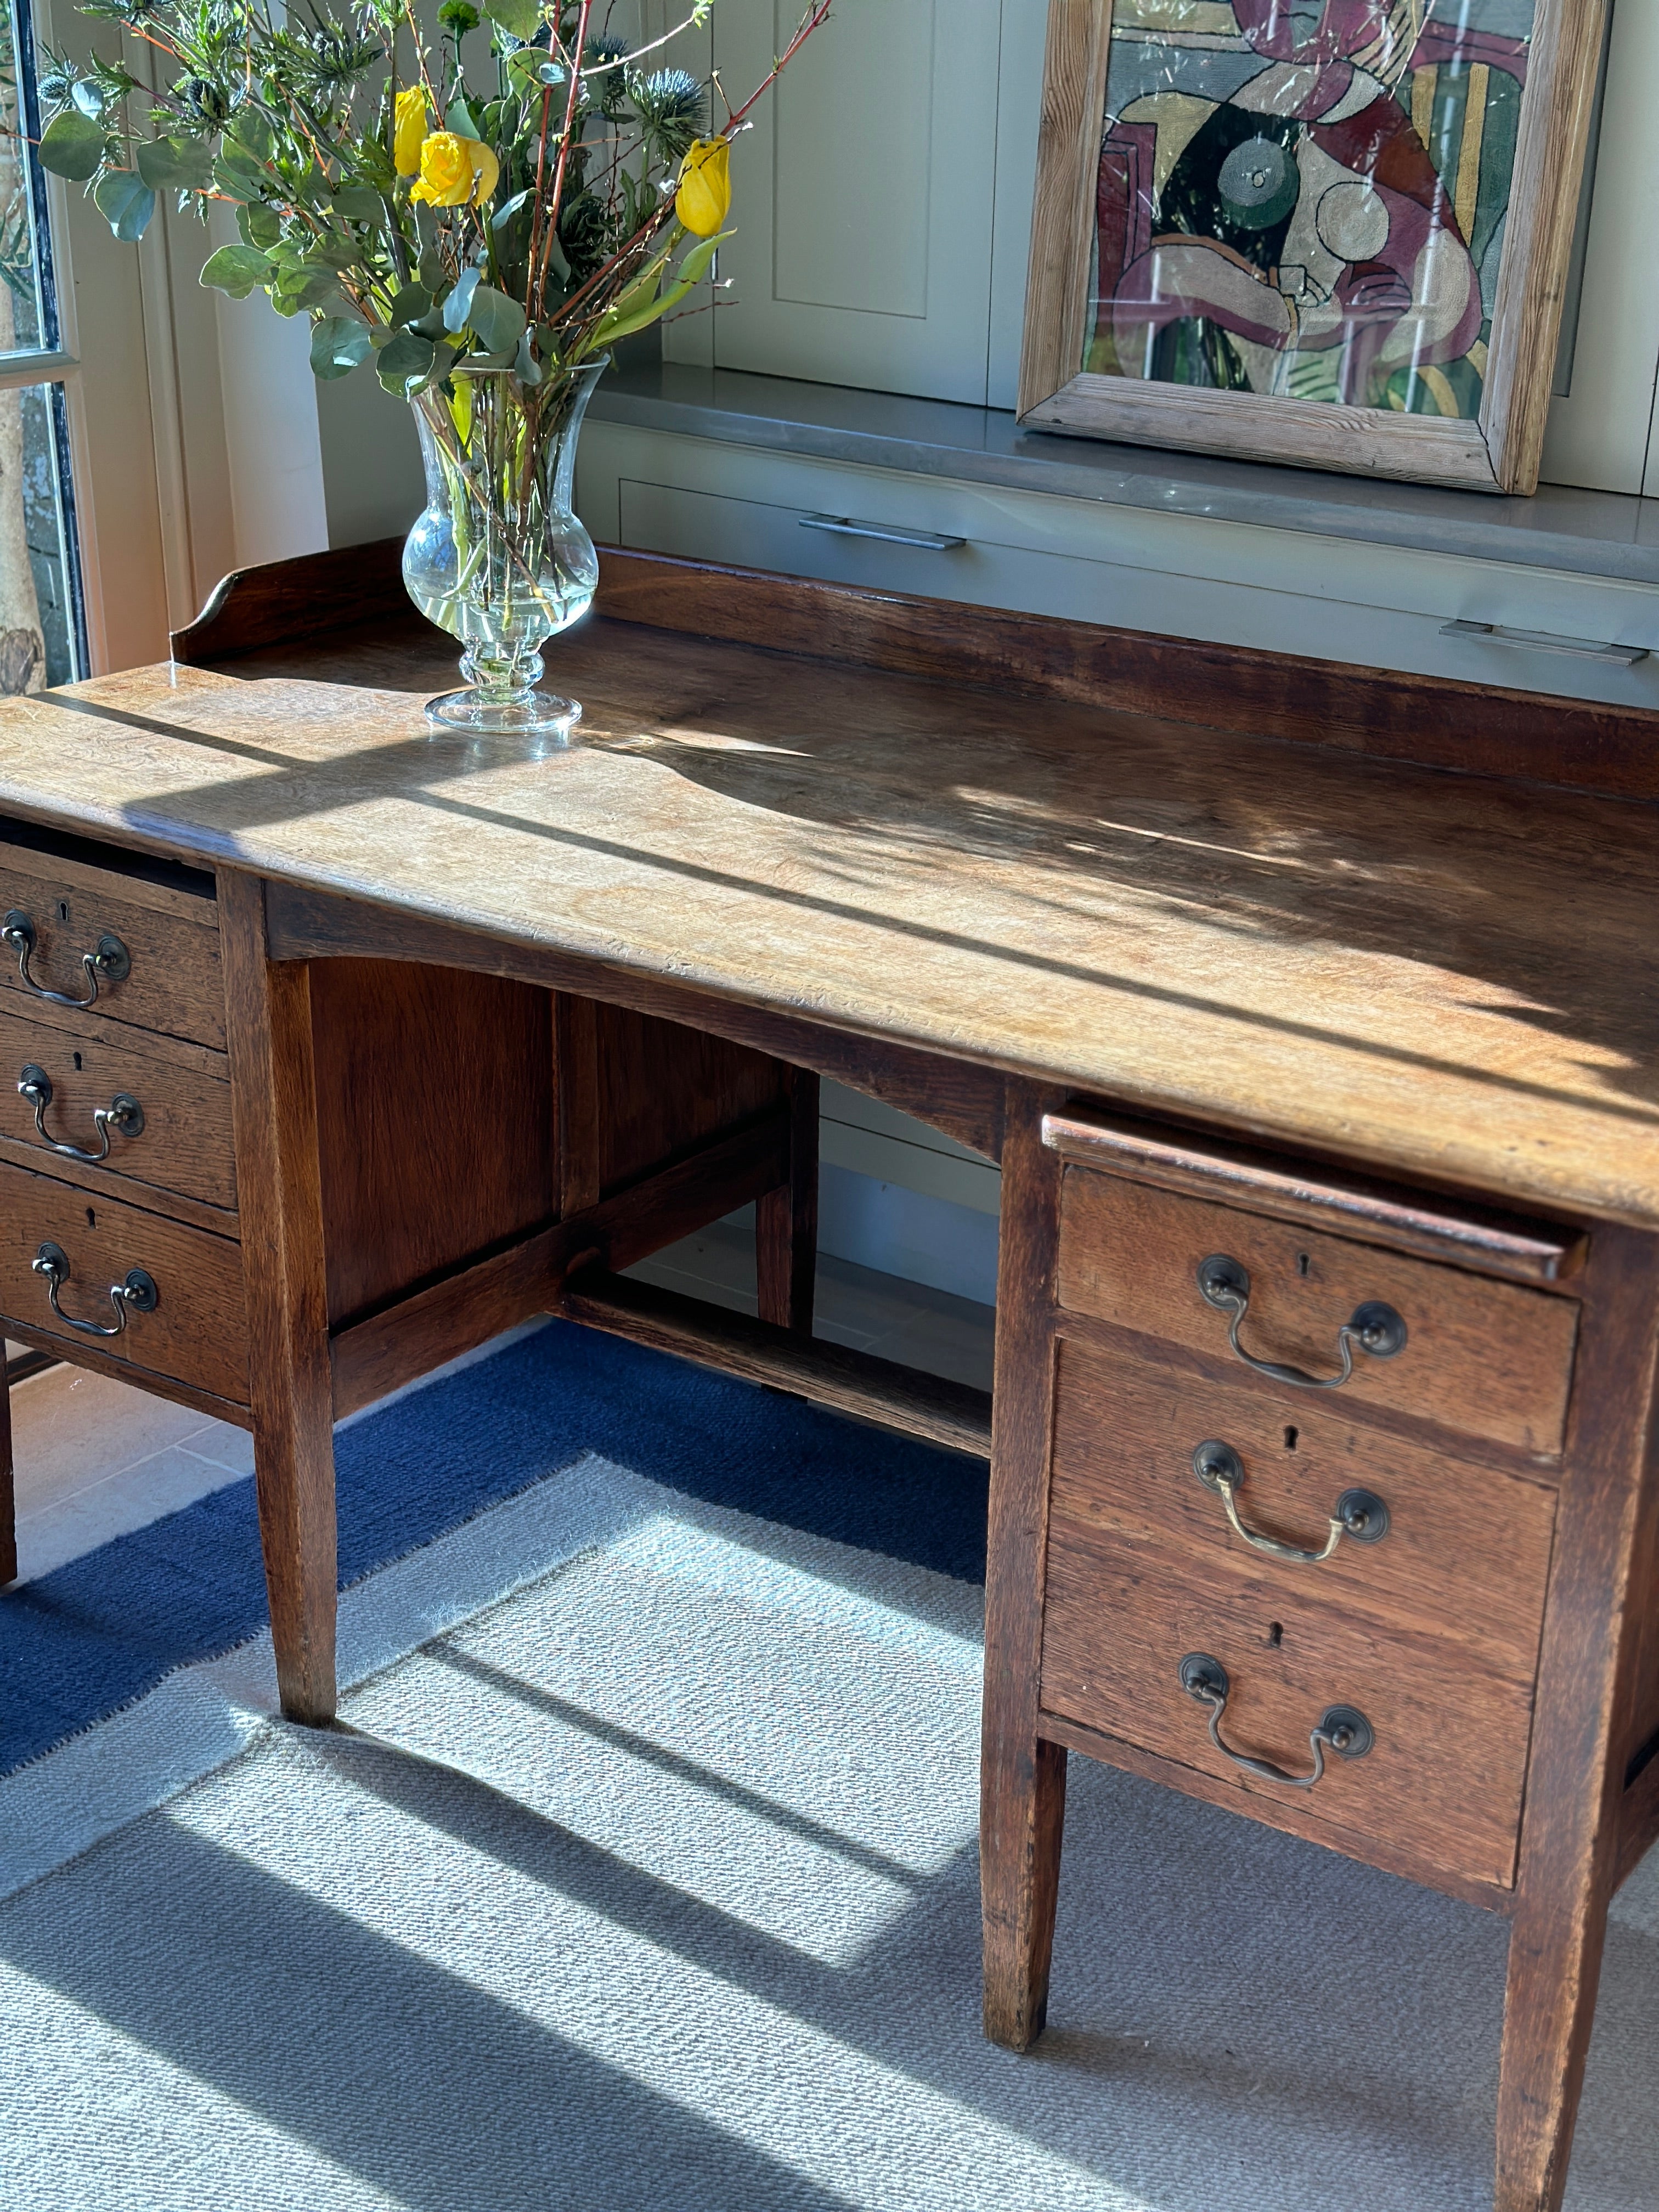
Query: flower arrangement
[[419, 221], [484, 248]]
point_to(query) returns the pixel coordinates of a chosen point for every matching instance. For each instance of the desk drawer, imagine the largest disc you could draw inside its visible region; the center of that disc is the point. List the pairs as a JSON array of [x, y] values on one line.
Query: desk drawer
[[164, 973], [182, 1140], [1432, 1633], [197, 1332], [1485, 1358]]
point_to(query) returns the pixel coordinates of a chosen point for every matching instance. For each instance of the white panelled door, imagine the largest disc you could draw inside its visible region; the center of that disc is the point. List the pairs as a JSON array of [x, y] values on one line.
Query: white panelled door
[[864, 195]]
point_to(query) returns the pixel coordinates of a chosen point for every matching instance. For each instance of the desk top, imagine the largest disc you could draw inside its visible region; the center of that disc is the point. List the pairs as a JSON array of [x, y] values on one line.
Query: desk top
[[1449, 976]]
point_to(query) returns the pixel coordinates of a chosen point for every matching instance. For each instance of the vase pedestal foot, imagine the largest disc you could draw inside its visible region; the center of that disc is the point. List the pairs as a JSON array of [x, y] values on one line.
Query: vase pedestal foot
[[527, 714]]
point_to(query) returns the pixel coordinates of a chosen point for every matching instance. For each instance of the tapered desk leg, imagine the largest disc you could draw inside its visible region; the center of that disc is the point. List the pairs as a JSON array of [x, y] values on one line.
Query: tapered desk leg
[[1022, 1778], [1575, 1789], [279, 1199], [8, 1492], [787, 1219]]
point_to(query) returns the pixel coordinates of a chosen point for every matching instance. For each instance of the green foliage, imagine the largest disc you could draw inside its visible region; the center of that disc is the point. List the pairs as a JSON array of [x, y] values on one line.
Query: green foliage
[[72, 146], [125, 202], [557, 249], [339, 344], [238, 269]]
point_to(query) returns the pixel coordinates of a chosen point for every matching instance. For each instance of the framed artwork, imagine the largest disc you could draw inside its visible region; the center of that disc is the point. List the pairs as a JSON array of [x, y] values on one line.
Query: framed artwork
[[1329, 232]]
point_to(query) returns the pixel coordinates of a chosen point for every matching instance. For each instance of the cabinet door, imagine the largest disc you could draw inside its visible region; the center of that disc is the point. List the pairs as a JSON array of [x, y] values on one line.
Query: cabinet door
[[864, 195]]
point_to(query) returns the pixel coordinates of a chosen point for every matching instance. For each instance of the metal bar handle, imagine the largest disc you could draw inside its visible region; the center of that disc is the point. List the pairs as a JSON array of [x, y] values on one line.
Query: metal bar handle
[[1224, 1283], [1544, 641], [124, 1116], [138, 1294], [848, 526], [109, 962], [1359, 1513], [1348, 1733]]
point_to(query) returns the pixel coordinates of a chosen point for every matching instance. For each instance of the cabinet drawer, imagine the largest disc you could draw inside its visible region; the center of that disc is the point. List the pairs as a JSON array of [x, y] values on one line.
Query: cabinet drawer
[[1465, 1553], [183, 1094], [1432, 1633], [1485, 1358], [198, 1332], [169, 938]]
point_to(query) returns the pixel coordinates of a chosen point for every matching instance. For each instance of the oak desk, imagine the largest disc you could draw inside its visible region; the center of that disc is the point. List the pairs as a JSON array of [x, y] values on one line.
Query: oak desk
[[1312, 1013]]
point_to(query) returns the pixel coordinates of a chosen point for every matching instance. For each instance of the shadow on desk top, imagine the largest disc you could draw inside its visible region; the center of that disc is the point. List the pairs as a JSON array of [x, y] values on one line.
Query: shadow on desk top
[[1291, 932], [357, 597]]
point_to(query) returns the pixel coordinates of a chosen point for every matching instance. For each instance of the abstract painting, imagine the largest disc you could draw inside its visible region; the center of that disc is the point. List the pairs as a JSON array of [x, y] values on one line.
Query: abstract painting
[[1312, 201], [1307, 199]]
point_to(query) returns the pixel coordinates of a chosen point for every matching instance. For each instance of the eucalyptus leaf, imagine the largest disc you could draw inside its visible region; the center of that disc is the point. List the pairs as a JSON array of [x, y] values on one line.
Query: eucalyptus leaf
[[182, 164], [497, 321], [525, 366], [334, 252], [413, 301], [251, 130], [89, 96], [519, 19], [238, 269], [459, 120], [237, 178], [316, 288], [481, 361], [259, 226], [406, 361], [359, 203], [504, 213], [72, 146], [459, 305], [338, 344], [125, 202]]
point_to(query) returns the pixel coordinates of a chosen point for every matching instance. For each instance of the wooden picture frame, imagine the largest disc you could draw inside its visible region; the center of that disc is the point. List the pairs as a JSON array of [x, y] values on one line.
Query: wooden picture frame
[[1496, 449]]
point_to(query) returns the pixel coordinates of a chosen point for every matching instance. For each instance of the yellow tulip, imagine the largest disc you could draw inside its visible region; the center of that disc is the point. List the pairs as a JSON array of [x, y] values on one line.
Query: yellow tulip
[[704, 197], [409, 130], [454, 170]]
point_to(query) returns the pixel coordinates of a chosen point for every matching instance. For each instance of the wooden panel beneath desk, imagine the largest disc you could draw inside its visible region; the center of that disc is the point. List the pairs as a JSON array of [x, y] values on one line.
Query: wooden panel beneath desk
[[434, 1102]]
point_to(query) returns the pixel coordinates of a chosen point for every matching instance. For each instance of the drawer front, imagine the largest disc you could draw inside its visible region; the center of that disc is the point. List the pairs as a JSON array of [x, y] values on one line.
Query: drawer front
[[198, 1332], [1432, 1633], [170, 939], [1485, 1358], [1465, 1554], [183, 1143], [1093, 560]]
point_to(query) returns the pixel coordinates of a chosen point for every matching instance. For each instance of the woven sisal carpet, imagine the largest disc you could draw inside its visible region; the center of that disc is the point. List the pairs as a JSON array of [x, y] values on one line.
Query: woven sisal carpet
[[644, 1876]]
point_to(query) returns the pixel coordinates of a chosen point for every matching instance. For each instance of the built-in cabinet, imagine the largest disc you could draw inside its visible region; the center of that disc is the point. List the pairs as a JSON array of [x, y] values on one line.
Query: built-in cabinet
[[884, 205]]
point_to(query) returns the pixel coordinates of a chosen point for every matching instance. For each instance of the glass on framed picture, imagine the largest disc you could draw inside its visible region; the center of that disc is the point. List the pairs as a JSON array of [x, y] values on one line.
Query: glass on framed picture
[[1307, 198]]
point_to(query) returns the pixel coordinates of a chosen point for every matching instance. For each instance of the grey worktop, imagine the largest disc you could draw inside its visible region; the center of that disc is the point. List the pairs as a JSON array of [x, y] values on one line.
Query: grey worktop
[[1584, 532]]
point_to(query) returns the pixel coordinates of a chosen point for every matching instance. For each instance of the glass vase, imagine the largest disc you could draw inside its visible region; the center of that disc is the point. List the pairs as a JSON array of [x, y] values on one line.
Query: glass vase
[[498, 559]]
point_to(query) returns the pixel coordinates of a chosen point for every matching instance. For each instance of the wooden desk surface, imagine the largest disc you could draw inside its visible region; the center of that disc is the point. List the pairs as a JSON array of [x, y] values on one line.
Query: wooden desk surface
[[1451, 976]]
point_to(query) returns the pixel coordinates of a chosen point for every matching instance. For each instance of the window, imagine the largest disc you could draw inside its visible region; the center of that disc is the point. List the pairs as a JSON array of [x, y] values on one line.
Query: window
[[43, 631]]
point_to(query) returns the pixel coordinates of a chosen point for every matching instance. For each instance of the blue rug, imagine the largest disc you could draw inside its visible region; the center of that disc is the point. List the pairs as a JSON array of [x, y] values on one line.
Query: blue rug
[[87, 1639]]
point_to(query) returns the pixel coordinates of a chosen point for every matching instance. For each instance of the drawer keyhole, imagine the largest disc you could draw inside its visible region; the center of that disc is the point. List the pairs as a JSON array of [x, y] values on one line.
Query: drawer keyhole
[[1301, 1263], [92, 1218], [1275, 1633], [62, 911], [1291, 1436], [76, 1058]]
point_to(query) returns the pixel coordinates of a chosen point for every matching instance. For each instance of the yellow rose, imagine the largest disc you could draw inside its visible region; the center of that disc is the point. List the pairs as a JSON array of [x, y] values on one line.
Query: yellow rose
[[409, 129], [454, 169], [705, 194]]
